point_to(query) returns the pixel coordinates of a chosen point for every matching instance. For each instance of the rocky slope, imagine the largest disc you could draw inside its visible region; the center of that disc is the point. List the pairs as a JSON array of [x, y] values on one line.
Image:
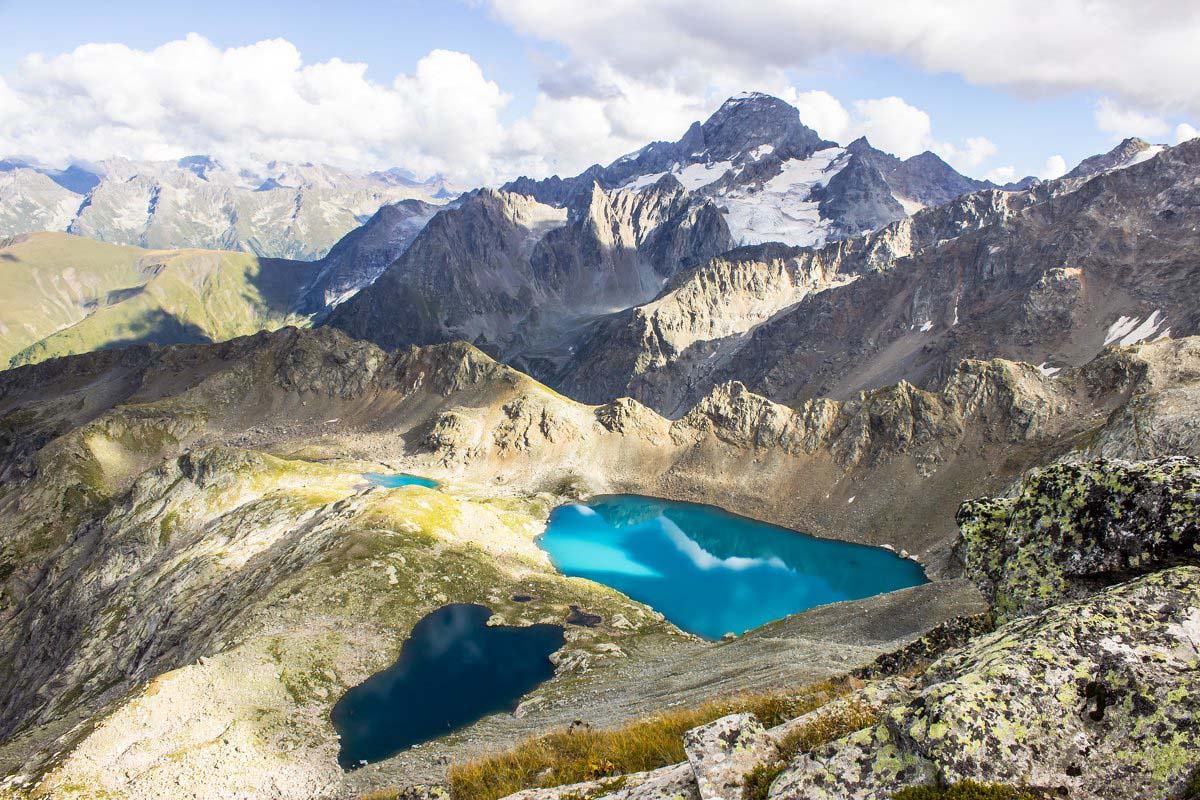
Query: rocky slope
[[1049, 275], [186, 537], [279, 211], [518, 277]]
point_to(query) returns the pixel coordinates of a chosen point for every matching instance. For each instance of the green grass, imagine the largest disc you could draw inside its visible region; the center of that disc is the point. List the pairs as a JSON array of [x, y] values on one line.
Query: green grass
[[573, 756], [66, 294], [967, 790]]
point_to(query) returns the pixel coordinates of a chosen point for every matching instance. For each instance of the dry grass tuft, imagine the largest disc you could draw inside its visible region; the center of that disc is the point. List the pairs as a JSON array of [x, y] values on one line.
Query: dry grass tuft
[[585, 754], [967, 790], [821, 730]]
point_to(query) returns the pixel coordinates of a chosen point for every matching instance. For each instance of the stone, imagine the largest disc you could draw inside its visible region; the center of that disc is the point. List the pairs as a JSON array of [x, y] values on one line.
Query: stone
[[1096, 699], [1073, 528], [723, 751]]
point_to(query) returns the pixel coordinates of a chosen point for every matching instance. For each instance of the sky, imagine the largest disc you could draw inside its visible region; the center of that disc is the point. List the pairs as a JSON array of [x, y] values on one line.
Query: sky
[[484, 90]]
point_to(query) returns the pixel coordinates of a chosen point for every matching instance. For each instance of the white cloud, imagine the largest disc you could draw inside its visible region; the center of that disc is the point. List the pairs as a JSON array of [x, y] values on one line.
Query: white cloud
[[244, 104], [1055, 167], [893, 125], [1185, 132], [1122, 122], [1001, 175], [822, 112], [1145, 54]]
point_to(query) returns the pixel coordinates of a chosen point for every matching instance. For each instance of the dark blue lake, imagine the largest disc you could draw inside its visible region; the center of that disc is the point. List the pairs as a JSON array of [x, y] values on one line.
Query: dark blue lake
[[712, 572], [399, 479], [453, 670]]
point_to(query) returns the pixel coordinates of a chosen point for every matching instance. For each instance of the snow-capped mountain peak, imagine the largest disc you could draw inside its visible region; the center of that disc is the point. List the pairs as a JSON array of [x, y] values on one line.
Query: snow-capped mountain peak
[[773, 176]]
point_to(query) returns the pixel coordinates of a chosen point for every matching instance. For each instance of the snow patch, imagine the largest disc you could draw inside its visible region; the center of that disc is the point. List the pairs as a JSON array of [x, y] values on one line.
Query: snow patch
[[1047, 370], [1131, 330], [643, 181], [910, 206], [1144, 155], [695, 176], [761, 152], [782, 210]]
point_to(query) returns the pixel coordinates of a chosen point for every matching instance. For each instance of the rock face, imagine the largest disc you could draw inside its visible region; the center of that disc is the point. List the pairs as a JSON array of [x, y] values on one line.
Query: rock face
[[923, 180], [364, 253], [1129, 152], [1074, 528], [518, 277], [1049, 276], [722, 752], [1093, 699], [859, 199], [281, 211]]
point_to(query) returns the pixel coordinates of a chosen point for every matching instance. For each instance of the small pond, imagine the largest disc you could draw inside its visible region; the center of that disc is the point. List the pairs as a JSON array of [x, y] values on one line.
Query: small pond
[[395, 481], [453, 670], [711, 572]]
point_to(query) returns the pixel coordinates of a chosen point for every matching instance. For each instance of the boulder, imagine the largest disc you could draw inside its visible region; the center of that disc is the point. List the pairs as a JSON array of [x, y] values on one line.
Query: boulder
[[723, 751], [1096, 699], [1075, 528]]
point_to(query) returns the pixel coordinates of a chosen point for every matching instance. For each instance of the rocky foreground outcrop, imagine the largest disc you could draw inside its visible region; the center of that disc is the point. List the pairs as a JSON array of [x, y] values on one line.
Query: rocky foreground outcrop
[[1074, 528], [1089, 693], [1093, 699]]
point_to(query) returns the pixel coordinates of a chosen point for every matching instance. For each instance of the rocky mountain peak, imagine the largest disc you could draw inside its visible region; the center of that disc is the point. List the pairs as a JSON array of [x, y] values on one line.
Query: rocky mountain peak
[[1126, 154], [858, 198], [752, 120]]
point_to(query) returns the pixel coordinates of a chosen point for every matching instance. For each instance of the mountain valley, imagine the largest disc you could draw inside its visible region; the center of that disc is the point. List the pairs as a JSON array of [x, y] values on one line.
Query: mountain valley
[[998, 384]]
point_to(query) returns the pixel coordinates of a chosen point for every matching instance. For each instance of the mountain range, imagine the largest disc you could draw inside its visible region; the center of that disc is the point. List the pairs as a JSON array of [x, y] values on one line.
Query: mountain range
[[1000, 383], [280, 210]]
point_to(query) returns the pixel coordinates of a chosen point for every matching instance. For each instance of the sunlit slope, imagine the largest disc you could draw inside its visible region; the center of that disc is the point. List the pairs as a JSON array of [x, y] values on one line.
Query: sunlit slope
[[66, 294]]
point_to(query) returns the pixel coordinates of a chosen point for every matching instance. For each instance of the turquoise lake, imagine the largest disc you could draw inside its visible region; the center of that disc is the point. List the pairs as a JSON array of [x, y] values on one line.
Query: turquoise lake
[[711, 572], [399, 479]]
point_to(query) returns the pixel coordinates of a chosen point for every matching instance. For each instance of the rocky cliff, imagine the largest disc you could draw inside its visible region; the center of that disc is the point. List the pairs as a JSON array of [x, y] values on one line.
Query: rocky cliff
[[518, 277], [1050, 276]]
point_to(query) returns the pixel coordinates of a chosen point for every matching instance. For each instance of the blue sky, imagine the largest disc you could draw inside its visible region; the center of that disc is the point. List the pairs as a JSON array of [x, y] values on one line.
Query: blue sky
[[515, 44]]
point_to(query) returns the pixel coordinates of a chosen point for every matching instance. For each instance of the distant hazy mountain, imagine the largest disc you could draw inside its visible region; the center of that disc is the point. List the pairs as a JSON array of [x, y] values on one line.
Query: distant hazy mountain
[[283, 210]]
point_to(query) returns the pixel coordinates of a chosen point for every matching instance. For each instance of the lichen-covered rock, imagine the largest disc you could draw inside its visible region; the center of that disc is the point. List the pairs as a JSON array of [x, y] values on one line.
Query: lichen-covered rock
[[675, 782], [1075, 528], [1093, 699], [723, 751]]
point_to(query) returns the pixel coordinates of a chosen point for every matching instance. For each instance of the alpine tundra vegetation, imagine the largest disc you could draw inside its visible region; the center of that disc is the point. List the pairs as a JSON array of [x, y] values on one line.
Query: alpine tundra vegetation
[[795, 455]]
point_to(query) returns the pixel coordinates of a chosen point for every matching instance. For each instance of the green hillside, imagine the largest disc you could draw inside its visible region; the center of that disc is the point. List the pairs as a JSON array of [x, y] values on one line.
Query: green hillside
[[66, 294]]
